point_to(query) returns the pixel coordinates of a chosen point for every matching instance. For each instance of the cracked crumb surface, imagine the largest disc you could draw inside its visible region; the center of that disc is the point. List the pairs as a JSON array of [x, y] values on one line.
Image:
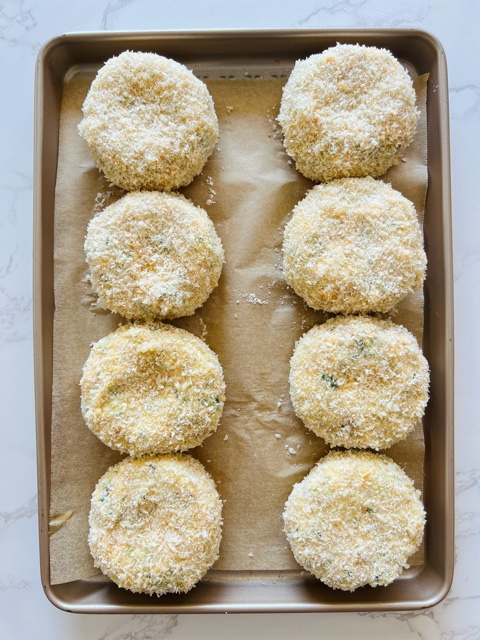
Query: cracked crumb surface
[[354, 520], [151, 389], [149, 122], [349, 111], [155, 524]]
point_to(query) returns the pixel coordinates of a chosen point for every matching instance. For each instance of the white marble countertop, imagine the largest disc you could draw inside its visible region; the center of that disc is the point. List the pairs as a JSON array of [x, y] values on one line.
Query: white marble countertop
[[24, 26]]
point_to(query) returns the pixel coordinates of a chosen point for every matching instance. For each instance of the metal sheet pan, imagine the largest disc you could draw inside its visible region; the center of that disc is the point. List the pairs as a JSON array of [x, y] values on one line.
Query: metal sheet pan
[[229, 52]]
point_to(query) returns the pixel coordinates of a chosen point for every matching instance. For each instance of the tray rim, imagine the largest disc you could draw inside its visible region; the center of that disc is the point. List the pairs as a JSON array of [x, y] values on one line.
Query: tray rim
[[445, 581]]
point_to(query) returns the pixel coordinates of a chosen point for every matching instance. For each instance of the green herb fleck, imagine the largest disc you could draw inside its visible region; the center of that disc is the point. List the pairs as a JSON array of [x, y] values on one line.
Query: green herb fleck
[[331, 382]]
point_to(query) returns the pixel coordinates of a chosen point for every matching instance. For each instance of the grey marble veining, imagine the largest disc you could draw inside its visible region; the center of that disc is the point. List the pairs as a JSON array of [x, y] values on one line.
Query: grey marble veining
[[141, 626], [112, 8], [26, 510]]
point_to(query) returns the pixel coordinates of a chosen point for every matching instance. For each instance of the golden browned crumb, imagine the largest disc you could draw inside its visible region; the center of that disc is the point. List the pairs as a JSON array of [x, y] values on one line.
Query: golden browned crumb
[[153, 255], [354, 245], [349, 111], [155, 524], [149, 122], [354, 520], [152, 389], [359, 382]]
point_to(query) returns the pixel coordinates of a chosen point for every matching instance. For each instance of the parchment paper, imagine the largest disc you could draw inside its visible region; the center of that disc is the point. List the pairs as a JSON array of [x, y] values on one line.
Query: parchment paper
[[252, 321]]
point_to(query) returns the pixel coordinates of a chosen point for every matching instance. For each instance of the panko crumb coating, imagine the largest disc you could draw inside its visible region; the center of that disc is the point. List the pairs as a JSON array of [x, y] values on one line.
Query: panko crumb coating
[[155, 524], [348, 112], [149, 123], [359, 382], [354, 245], [354, 520], [153, 255], [149, 389]]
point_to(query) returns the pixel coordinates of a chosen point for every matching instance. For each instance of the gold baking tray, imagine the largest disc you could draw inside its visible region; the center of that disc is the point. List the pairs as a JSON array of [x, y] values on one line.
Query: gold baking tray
[[227, 54]]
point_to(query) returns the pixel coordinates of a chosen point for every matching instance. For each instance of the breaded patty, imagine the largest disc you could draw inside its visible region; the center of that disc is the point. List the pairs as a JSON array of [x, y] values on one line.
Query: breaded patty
[[149, 122], [354, 245], [153, 255], [152, 389], [359, 382], [354, 520], [349, 111], [155, 524]]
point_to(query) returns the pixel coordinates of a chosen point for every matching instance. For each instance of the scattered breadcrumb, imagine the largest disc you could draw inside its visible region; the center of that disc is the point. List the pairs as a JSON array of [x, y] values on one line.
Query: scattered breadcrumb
[[212, 193], [101, 200], [253, 299], [277, 130], [204, 328]]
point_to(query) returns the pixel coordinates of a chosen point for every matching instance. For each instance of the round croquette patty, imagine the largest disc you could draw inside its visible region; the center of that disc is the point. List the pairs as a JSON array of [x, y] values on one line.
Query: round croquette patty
[[149, 123], [155, 524], [153, 255], [359, 382], [152, 389], [354, 520], [349, 111], [354, 245]]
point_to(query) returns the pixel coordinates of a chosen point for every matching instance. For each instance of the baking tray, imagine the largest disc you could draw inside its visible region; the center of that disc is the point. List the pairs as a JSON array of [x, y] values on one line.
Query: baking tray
[[228, 54]]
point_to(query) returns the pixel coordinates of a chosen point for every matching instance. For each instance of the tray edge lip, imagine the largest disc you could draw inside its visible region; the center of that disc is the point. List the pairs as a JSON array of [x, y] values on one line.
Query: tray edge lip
[[38, 320], [87, 36]]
